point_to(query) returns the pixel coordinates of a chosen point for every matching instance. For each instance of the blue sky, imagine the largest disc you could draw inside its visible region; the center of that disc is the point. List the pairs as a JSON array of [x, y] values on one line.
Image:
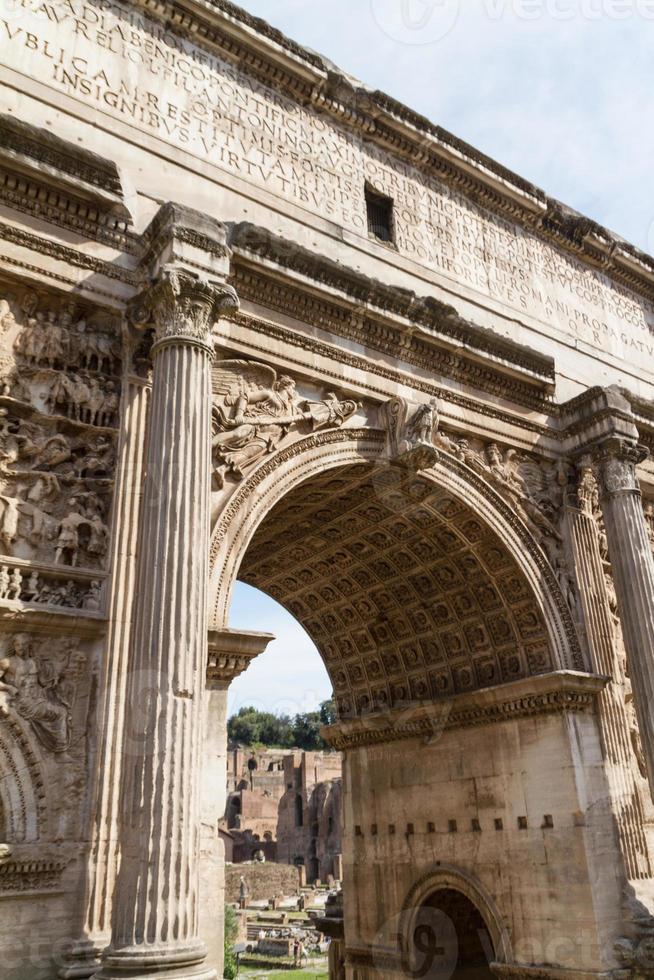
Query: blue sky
[[561, 91]]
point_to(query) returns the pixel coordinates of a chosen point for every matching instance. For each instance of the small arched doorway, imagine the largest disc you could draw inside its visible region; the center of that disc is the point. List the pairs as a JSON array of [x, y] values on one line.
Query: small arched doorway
[[449, 939]]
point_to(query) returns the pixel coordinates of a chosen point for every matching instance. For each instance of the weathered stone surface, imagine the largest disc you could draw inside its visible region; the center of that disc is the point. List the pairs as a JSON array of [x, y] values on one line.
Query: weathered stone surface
[[402, 442]]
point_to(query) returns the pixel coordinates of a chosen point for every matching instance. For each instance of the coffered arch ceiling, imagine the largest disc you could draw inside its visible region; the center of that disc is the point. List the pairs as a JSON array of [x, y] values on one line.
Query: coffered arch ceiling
[[407, 593]]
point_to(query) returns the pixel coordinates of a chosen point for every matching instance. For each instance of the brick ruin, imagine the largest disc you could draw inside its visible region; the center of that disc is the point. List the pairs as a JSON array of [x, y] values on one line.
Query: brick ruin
[[284, 806]]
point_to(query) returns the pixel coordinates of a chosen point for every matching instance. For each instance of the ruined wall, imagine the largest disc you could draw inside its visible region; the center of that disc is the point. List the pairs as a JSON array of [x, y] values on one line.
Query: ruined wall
[[263, 880], [309, 820]]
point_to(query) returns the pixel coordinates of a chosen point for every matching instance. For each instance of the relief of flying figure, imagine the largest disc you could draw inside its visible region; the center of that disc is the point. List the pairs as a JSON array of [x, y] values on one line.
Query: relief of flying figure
[[253, 409]]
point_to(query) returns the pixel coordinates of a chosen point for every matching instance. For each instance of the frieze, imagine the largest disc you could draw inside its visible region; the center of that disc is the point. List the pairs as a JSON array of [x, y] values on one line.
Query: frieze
[[29, 585], [60, 374], [32, 876]]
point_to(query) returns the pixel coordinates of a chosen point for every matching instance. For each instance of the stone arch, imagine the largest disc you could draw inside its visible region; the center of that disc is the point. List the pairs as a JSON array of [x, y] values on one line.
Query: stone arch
[[447, 878], [22, 791], [531, 633]]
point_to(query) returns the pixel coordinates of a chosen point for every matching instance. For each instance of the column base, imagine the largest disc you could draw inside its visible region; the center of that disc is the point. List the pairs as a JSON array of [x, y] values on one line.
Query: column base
[[108, 973], [153, 962], [83, 960]]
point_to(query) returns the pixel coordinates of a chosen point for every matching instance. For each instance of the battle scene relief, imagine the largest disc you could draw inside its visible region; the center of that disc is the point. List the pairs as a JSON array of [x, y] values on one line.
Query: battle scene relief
[[60, 385], [60, 367]]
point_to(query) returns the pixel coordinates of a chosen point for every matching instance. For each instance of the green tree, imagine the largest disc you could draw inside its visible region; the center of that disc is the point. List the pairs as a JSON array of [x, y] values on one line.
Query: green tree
[[231, 932], [249, 726], [276, 731], [244, 726], [328, 712], [306, 731]]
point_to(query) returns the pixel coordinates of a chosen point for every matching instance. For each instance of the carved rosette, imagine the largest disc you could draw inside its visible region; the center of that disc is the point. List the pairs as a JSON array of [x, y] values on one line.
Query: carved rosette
[[615, 465], [184, 307]]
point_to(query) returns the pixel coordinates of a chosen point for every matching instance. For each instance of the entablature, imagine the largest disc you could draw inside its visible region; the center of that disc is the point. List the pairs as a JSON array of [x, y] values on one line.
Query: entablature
[[419, 330]]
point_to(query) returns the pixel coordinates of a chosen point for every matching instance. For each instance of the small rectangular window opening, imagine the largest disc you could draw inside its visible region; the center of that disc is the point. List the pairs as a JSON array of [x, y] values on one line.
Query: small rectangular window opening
[[380, 215]]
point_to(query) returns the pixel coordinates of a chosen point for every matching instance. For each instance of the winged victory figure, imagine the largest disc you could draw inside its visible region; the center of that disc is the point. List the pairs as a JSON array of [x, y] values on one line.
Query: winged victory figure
[[253, 410]]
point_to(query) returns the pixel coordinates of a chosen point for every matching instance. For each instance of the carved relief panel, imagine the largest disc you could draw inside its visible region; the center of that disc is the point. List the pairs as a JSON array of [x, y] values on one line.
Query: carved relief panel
[[60, 383], [254, 410], [48, 694]]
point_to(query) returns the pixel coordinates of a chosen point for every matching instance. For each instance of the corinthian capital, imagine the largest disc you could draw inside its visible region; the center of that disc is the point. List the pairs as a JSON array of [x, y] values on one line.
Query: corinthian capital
[[615, 462], [183, 307]]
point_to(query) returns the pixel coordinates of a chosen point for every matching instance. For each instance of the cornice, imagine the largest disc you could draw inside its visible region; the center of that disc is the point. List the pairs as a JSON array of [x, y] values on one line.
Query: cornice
[[544, 694], [31, 876], [230, 652], [62, 183], [374, 958], [515, 971], [29, 149], [31, 196], [388, 339], [23, 617], [71, 256]]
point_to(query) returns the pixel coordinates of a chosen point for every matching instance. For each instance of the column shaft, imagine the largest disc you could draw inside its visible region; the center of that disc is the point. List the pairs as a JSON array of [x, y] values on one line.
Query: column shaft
[[103, 861], [155, 912], [633, 574]]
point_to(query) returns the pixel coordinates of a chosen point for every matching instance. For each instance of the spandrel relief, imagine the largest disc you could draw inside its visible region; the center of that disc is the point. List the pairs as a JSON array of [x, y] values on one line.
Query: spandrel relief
[[533, 487], [254, 409]]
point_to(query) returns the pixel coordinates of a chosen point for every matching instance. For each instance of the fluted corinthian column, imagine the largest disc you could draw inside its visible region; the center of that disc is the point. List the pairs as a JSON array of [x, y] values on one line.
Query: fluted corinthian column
[[633, 574], [155, 913]]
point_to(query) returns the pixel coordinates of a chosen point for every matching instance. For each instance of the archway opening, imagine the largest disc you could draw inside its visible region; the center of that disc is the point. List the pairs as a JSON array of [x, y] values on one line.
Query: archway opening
[[450, 939], [408, 594]]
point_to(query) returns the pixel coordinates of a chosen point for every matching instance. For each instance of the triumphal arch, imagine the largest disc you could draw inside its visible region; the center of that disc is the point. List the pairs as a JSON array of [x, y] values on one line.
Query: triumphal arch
[[258, 321]]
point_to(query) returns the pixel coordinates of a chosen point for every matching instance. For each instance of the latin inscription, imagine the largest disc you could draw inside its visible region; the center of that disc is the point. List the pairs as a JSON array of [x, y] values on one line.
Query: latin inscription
[[109, 56]]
